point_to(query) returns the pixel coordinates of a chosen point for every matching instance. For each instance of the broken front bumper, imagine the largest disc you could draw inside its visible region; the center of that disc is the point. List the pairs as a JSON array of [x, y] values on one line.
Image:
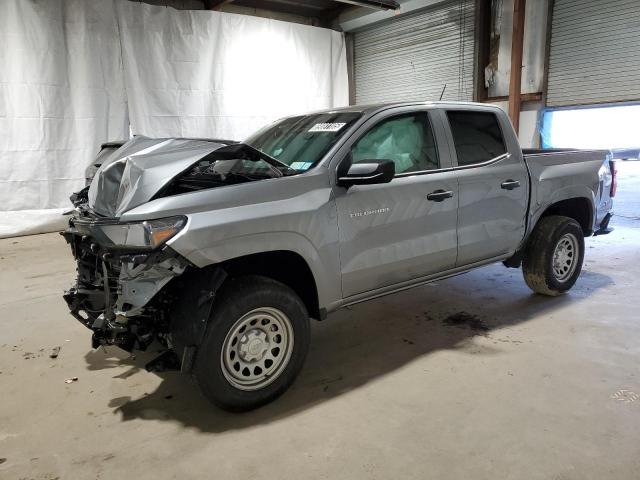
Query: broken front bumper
[[120, 294]]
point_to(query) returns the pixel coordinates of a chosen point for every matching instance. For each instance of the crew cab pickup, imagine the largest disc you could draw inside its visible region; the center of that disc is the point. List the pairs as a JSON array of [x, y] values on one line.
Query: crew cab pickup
[[223, 251]]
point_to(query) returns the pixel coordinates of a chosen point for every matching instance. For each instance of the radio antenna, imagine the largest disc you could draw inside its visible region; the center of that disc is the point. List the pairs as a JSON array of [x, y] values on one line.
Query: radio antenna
[[442, 93]]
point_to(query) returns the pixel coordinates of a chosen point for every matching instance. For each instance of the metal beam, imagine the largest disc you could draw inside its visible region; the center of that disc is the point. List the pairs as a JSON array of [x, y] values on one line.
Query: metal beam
[[379, 4], [351, 70], [517, 42], [329, 18], [524, 98], [215, 4], [354, 19]]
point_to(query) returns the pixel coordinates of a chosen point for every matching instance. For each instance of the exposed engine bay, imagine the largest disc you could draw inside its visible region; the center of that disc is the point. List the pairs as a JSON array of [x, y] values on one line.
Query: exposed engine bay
[[115, 292]]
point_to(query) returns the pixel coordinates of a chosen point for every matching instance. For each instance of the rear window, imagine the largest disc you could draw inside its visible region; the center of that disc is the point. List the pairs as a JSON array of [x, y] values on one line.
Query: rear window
[[477, 136]]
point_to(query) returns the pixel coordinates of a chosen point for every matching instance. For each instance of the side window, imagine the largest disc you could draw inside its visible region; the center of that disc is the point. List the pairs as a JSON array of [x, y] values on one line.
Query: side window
[[407, 140], [477, 136]]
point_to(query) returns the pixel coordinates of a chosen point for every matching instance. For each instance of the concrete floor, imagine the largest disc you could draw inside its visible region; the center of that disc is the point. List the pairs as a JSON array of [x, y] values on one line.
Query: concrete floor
[[529, 388]]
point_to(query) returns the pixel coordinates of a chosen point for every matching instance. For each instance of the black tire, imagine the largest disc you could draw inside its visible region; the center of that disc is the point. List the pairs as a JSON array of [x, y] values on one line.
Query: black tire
[[538, 262], [238, 297]]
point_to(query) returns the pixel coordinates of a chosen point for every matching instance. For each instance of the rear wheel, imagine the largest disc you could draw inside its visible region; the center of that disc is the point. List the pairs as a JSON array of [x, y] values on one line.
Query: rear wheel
[[554, 255], [255, 345]]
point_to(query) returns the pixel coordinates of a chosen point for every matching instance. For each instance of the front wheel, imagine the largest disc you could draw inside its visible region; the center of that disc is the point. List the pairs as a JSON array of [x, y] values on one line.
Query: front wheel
[[256, 343], [554, 255]]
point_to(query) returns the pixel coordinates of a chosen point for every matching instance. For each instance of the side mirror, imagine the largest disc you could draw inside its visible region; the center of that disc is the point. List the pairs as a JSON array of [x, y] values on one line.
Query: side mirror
[[368, 172]]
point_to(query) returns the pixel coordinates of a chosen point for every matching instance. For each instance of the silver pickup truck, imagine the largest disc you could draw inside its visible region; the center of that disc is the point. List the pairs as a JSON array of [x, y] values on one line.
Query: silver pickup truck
[[223, 251]]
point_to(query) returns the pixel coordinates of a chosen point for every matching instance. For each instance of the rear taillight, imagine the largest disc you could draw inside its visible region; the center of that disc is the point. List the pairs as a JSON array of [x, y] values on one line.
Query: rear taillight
[[614, 177]]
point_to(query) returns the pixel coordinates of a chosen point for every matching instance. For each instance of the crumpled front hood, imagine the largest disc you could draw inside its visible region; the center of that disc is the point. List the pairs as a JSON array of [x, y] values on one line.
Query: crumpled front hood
[[133, 174]]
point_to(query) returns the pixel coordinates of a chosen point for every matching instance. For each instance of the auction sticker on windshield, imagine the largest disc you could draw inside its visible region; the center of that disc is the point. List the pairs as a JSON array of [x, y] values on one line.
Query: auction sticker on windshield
[[326, 127], [301, 165]]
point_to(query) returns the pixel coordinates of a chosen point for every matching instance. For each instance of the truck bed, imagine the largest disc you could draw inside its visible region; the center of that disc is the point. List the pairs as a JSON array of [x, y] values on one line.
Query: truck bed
[[568, 173]]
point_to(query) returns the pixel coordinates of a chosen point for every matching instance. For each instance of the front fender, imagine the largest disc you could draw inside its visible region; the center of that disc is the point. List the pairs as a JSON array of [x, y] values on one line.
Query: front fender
[[322, 260]]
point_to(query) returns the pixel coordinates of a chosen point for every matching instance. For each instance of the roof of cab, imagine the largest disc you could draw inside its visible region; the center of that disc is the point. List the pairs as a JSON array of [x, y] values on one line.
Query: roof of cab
[[370, 109]]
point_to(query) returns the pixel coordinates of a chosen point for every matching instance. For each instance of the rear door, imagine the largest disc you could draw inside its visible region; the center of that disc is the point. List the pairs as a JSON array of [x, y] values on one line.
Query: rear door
[[493, 184], [405, 229]]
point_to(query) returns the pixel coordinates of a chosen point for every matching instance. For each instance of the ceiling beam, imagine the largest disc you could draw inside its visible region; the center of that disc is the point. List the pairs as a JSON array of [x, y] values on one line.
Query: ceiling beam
[[354, 19], [215, 4], [328, 16], [379, 4]]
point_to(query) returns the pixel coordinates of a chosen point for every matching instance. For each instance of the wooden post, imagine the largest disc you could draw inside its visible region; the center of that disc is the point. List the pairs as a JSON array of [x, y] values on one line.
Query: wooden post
[[483, 33], [517, 40]]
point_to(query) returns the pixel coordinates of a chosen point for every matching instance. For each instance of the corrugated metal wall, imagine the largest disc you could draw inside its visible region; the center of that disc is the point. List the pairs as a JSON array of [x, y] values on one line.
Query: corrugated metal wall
[[595, 52], [413, 56]]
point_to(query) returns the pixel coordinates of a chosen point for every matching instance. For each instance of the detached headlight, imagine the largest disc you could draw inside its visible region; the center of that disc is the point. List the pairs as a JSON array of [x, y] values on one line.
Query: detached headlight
[[147, 235]]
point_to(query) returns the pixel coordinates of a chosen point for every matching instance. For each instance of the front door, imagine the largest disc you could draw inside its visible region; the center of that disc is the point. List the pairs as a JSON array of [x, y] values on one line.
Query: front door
[[402, 230]]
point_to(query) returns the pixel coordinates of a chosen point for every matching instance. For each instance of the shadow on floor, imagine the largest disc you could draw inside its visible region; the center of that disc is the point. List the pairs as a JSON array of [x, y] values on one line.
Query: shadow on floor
[[365, 342]]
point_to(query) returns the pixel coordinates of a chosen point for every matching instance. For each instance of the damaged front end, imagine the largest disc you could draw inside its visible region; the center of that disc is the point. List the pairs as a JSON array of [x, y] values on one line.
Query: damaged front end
[[125, 288], [132, 287], [122, 292]]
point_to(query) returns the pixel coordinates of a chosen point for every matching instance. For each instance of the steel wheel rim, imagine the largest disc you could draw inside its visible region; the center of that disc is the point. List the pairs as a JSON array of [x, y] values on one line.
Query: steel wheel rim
[[257, 348], [565, 257]]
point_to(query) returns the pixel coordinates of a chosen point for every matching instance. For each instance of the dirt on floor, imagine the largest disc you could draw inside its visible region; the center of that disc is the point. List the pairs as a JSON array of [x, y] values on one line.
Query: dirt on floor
[[472, 377]]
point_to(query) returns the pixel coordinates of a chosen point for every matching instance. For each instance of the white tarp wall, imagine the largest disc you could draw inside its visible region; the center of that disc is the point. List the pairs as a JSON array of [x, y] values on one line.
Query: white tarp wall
[[61, 95], [183, 73], [194, 73]]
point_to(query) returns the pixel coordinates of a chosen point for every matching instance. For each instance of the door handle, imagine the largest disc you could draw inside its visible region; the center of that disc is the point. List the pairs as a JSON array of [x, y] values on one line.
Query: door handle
[[510, 184], [439, 195]]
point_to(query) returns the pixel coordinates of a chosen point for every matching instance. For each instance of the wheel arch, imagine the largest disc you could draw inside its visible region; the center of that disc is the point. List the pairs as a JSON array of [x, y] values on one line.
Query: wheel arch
[[319, 257], [196, 293], [577, 208], [284, 266]]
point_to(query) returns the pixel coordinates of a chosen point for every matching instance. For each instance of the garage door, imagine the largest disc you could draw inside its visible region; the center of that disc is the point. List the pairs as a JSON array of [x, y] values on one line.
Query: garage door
[[413, 56], [595, 52]]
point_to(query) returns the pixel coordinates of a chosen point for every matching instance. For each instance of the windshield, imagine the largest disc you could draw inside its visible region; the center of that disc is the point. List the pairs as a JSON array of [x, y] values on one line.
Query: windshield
[[300, 142]]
